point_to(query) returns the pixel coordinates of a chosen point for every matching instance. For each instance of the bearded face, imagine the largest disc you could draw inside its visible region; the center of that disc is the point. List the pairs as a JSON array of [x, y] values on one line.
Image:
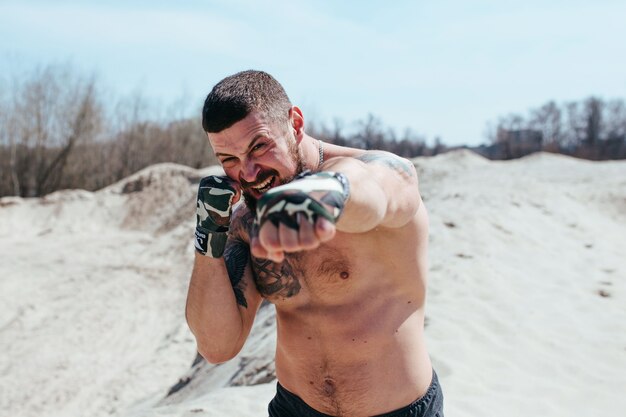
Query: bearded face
[[270, 178], [259, 154]]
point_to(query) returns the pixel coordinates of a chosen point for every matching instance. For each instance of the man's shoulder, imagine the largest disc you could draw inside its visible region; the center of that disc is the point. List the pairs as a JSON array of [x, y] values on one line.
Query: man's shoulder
[[378, 155], [369, 156], [389, 160]]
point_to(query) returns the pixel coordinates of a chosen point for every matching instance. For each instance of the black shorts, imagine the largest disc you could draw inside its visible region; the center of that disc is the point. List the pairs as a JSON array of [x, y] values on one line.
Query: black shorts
[[286, 404]]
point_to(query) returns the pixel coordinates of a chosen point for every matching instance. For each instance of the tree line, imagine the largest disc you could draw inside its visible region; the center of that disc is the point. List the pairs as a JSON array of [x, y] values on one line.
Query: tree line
[[56, 132], [591, 129], [371, 133]]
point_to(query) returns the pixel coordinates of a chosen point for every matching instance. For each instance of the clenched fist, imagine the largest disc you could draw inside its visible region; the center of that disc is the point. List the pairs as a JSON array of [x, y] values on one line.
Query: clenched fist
[[216, 197], [299, 215]]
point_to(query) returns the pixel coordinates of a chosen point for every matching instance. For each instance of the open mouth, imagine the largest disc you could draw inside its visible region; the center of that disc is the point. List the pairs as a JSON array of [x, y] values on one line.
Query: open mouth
[[264, 186]]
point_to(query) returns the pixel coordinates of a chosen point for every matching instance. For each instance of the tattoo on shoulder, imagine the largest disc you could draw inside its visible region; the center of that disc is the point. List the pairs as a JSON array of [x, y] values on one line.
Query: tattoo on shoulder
[[400, 165], [236, 257]]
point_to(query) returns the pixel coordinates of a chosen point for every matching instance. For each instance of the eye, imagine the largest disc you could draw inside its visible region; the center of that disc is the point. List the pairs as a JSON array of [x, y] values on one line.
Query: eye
[[228, 162], [258, 147]]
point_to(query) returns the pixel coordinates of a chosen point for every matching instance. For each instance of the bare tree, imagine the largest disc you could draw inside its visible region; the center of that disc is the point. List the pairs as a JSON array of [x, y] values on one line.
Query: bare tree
[[593, 116], [370, 134], [47, 115], [548, 120], [9, 182], [615, 119], [575, 125], [129, 130]]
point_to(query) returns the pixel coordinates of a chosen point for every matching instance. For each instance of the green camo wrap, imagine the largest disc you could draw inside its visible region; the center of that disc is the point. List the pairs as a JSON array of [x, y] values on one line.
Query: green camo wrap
[[213, 210], [308, 197]]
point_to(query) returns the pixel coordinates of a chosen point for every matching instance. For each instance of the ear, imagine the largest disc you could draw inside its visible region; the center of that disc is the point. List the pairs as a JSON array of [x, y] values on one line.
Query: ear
[[297, 122]]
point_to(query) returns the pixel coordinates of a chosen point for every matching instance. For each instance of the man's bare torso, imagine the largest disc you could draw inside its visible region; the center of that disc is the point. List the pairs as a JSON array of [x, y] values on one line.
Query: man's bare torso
[[350, 317]]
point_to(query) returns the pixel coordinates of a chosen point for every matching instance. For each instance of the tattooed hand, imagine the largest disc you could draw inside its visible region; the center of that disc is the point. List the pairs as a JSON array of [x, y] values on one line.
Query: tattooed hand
[[216, 196], [299, 215]]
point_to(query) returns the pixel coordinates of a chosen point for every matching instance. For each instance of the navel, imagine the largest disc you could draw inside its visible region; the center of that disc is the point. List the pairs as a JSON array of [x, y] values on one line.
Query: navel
[[329, 386]]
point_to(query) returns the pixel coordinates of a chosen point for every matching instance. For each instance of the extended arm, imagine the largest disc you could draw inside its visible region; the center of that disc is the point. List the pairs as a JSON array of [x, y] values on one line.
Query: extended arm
[[382, 191]]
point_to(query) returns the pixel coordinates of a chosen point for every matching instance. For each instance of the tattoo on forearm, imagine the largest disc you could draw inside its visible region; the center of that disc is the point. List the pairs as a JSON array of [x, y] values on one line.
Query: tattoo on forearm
[[236, 256], [400, 165]]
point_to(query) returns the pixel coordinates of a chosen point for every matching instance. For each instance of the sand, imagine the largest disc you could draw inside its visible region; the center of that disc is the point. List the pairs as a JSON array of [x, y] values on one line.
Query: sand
[[526, 307]]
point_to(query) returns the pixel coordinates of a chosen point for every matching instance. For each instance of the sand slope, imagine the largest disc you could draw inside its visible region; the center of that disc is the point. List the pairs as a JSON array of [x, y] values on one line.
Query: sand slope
[[526, 308]]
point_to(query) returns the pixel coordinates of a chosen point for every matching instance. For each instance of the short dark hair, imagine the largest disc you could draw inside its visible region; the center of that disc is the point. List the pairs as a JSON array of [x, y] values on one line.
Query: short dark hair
[[236, 96]]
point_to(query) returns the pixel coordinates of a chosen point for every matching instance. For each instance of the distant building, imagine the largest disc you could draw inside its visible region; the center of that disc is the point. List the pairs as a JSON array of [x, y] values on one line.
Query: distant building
[[512, 144], [522, 138]]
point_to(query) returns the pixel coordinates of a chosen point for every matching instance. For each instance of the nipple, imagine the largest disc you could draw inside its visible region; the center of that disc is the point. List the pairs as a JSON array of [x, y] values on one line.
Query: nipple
[[344, 275]]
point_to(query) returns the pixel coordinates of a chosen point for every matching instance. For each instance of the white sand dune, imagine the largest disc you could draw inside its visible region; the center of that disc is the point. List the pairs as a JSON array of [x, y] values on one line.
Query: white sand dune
[[526, 309]]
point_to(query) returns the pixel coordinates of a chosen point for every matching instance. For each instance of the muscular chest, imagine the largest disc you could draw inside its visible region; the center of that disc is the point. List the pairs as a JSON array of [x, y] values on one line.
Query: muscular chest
[[317, 274]]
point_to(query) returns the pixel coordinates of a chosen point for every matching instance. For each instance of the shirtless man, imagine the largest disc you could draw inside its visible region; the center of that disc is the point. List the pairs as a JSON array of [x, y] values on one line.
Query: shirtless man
[[340, 250]]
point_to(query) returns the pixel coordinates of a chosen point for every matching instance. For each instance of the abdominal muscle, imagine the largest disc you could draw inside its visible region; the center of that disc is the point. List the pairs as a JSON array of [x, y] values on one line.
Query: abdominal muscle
[[359, 359]]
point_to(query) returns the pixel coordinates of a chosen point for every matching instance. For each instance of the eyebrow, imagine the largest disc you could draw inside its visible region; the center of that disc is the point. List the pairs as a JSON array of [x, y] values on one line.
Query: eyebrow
[[252, 143]]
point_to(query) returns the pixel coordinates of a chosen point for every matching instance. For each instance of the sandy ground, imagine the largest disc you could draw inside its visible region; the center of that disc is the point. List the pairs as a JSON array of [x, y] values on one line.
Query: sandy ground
[[526, 308]]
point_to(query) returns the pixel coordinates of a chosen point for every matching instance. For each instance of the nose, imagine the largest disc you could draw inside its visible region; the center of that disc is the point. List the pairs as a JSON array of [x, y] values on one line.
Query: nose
[[249, 172]]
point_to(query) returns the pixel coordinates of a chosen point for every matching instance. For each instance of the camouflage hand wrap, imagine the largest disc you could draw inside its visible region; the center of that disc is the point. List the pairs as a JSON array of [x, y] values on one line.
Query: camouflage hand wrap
[[214, 207], [308, 196]]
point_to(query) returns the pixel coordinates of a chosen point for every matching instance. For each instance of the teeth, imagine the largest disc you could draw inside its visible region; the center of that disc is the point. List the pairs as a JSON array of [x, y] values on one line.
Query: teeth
[[264, 184]]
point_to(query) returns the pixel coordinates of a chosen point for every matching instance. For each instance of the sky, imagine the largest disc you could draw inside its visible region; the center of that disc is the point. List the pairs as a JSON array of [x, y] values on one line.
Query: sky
[[439, 68]]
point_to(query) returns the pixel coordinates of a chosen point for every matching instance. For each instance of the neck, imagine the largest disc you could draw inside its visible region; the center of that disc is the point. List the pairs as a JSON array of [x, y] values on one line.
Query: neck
[[311, 152]]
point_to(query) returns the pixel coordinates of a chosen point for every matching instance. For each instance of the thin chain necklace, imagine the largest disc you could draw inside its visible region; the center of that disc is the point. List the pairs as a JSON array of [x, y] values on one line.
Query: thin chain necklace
[[321, 149]]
